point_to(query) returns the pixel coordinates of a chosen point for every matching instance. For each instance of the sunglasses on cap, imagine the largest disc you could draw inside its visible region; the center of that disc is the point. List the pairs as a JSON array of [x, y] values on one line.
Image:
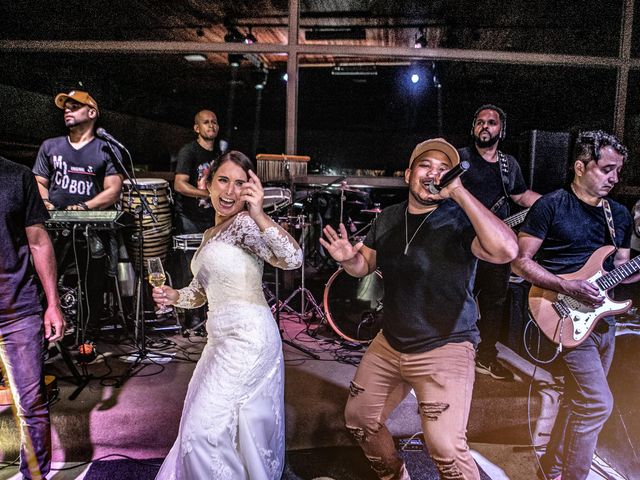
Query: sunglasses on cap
[[74, 106]]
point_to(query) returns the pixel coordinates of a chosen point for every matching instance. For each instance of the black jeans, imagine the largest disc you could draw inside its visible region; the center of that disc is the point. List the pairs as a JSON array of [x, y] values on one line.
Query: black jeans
[[490, 290], [22, 354]]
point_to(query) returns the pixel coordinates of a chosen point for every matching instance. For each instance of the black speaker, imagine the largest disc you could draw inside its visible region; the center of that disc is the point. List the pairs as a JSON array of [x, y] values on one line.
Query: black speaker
[[544, 159]]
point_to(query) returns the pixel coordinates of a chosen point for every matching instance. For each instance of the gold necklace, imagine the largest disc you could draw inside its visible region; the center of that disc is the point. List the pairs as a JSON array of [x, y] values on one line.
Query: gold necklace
[[408, 241]]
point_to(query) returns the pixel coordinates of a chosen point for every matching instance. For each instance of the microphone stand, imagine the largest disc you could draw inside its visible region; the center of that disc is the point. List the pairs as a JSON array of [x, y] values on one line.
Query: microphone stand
[[140, 211]]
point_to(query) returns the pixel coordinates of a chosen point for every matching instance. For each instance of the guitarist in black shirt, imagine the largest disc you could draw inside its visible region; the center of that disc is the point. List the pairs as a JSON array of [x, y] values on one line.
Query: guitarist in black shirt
[[495, 179], [560, 234]]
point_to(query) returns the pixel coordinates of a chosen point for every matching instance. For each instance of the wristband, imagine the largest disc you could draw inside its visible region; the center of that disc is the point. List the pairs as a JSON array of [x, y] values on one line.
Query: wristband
[[83, 205]]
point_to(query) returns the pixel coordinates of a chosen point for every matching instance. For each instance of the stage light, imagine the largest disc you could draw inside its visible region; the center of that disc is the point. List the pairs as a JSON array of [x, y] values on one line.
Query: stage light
[[420, 39], [415, 78], [250, 37], [285, 77]]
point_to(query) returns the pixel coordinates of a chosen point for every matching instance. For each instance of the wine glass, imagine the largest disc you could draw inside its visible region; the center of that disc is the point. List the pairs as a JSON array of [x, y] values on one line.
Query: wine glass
[[157, 278]]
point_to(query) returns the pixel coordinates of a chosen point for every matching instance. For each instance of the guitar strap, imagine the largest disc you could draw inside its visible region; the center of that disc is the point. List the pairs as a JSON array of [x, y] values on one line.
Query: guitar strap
[[504, 176], [609, 218]]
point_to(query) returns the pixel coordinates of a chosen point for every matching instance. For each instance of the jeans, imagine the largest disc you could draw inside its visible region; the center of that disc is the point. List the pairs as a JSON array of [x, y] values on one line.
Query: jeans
[[490, 289], [22, 353], [443, 382], [584, 407]]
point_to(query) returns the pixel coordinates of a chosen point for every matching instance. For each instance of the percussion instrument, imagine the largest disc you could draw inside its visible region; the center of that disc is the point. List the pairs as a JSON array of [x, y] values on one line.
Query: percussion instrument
[[353, 306], [279, 168], [156, 237], [187, 242], [275, 199]]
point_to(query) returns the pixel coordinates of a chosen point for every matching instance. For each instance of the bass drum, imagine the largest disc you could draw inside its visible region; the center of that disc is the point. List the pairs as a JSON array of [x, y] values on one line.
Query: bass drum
[[353, 306]]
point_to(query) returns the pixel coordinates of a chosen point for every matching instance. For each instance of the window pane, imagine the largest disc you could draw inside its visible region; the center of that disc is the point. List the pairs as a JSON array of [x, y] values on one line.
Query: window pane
[[147, 101], [373, 119]]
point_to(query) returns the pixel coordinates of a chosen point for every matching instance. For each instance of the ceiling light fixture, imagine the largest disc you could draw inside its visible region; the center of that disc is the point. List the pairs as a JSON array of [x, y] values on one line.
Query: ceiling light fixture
[[354, 70], [336, 33], [195, 57]]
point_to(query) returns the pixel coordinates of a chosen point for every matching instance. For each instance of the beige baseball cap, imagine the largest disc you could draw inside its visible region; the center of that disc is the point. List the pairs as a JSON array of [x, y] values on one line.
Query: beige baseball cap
[[437, 145], [77, 95]]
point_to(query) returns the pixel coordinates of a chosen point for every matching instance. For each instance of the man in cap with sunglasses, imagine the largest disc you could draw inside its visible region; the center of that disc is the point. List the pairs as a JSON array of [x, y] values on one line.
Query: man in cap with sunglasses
[[77, 171], [426, 249]]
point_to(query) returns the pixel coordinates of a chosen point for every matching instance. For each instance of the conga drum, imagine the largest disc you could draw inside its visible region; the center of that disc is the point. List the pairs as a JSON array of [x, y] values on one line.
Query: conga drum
[[156, 236]]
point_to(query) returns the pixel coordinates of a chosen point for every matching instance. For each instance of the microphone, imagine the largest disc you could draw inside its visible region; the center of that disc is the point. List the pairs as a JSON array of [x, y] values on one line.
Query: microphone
[[102, 133], [448, 177]]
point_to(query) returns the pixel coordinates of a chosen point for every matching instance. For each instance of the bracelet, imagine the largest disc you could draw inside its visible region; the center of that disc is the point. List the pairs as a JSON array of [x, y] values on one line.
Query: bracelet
[[83, 205]]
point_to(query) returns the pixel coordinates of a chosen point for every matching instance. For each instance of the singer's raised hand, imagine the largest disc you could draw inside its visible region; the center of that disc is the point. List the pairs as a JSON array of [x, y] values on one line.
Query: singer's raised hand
[[338, 244]]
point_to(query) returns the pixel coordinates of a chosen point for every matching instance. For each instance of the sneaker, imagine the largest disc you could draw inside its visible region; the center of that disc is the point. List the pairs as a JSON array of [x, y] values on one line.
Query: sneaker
[[495, 369]]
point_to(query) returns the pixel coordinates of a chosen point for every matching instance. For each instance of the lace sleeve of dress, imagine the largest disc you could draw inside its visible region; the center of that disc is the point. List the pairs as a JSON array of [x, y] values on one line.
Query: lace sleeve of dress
[[274, 245], [191, 296]]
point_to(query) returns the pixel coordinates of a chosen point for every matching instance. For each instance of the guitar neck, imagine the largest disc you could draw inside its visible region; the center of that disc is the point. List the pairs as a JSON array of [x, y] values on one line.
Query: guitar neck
[[614, 277], [517, 219]]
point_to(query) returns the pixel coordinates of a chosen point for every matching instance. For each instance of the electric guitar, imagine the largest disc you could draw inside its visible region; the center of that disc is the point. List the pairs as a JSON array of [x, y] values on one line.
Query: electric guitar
[[565, 320], [517, 219]]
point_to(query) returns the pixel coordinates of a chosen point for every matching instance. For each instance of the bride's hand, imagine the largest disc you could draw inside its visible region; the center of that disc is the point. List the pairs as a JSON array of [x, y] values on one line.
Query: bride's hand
[[165, 295], [252, 194]]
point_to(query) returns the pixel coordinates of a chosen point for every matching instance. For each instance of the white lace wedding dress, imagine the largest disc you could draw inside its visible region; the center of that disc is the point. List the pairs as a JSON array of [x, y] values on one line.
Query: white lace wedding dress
[[232, 424]]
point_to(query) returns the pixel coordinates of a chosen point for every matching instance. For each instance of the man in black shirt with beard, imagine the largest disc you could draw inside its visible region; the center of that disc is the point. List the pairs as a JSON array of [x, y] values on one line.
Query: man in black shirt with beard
[[495, 179]]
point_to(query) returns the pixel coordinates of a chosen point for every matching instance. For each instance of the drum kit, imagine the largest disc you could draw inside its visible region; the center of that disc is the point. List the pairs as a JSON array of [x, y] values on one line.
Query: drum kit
[[351, 306]]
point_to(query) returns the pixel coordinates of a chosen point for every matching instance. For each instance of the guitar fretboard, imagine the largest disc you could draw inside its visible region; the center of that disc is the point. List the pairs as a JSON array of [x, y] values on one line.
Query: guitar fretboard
[[611, 279]]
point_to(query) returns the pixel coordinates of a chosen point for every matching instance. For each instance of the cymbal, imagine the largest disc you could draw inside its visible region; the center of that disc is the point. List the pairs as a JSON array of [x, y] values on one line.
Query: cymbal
[[372, 210]]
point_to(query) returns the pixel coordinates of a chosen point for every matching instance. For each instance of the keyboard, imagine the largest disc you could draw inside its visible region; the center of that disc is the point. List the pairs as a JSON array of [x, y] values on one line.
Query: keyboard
[[94, 219]]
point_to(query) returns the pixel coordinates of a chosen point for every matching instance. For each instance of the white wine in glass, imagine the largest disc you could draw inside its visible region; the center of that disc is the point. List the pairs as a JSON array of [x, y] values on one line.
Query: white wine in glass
[[157, 278]]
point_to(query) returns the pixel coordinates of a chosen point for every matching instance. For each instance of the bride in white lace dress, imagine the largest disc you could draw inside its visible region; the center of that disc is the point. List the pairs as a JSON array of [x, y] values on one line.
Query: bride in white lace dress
[[232, 424]]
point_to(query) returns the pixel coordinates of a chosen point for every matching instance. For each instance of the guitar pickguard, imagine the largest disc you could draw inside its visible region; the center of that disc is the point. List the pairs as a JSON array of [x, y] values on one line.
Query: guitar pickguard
[[582, 316]]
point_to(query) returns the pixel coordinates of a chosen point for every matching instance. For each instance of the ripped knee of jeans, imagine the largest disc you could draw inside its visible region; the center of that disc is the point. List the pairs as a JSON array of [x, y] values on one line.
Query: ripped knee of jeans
[[448, 469], [357, 433], [432, 410], [380, 467], [355, 389]]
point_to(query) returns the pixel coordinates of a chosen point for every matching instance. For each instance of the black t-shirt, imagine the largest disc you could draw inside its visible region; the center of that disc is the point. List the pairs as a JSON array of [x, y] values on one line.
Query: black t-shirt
[[194, 160], [20, 207], [484, 181], [74, 175], [572, 230], [428, 299]]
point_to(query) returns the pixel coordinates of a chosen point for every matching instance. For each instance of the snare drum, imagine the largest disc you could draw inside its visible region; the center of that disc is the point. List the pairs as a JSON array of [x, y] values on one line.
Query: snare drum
[[156, 235], [275, 199], [353, 306], [188, 242]]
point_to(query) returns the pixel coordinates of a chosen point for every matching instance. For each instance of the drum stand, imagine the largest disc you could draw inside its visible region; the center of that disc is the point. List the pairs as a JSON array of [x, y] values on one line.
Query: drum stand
[[305, 294], [277, 306]]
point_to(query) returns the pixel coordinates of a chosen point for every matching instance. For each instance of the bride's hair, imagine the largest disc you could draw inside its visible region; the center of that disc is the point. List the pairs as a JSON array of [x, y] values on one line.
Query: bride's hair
[[234, 156]]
